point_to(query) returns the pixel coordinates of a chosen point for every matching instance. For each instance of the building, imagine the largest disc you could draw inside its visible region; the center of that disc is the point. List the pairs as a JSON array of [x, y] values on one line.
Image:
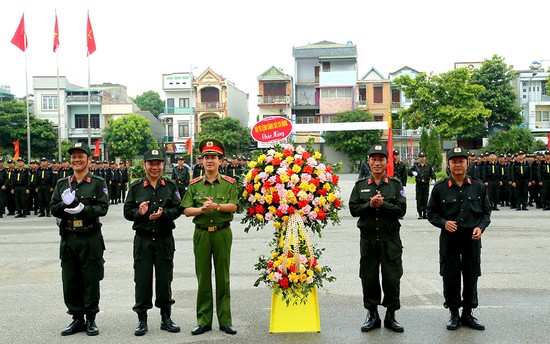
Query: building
[[274, 94], [325, 79], [5, 93], [533, 97]]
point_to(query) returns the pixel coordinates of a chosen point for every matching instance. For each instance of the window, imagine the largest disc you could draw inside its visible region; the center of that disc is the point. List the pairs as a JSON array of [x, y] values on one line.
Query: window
[[50, 103], [183, 129], [169, 102], [326, 66], [362, 94], [169, 126], [378, 118], [340, 92], [184, 102], [378, 95], [307, 119], [542, 116], [81, 121]]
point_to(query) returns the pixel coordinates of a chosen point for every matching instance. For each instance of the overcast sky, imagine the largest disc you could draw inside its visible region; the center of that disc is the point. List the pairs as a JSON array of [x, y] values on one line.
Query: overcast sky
[[137, 42]]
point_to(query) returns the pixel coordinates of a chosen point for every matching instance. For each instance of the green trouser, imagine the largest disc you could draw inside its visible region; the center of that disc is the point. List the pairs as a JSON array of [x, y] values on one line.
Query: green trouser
[[155, 253], [216, 245], [384, 256], [81, 270]]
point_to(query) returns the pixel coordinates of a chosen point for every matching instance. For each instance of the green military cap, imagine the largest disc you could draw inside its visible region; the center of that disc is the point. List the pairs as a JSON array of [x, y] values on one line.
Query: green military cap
[[33, 161], [421, 154], [77, 146], [44, 159], [457, 152], [10, 161], [211, 147], [180, 157], [378, 149], [122, 162], [64, 160], [20, 159], [153, 154]]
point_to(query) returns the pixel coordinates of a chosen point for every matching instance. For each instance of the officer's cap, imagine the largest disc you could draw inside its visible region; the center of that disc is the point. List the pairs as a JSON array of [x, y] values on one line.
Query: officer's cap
[[520, 153], [112, 162], [20, 159], [421, 154], [395, 152], [1, 159], [502, 155], [153, 154], [211, 147], [492, 152], [457, 152], [547, 152], [34, 161], [180, 157], [77, 146], [43, 159], [10, 161], [64, 160], [378, 149], [122, 162], [105, 162], [472, 154]]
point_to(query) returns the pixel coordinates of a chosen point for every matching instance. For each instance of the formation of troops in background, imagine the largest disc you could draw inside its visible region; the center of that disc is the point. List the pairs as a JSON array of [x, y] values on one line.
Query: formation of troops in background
[[28, 190]]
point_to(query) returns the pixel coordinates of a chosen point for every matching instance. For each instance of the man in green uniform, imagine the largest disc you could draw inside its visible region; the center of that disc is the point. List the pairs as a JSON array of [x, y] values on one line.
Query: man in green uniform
[[153, 205], [211, 200], [78, 201], [459, 205], [180, 174], [379, 201]]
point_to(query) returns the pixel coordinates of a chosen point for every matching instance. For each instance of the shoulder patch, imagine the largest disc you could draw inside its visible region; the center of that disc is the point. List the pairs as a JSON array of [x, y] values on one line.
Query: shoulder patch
[[193, 181], [229, 179]]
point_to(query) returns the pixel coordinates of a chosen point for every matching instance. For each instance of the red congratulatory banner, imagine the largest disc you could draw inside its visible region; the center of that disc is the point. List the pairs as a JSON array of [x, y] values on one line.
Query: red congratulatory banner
[[271, 129]]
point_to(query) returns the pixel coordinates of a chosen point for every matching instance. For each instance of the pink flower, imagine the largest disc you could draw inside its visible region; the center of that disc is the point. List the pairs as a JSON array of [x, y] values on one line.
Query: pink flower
[[312, 216]]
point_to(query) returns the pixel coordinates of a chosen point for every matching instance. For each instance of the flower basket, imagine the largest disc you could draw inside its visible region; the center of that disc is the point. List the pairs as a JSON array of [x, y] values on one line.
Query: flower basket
[[293, 188]]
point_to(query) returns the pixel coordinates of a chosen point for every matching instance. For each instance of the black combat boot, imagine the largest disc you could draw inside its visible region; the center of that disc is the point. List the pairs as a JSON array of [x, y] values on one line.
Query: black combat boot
[[373, 320], [420, 216], [468, 320], [76, 326], [391, 323], [48, 212], [42, 213], [141, 328], [425, 215], [91, 327], [452, 323], [166, 323]]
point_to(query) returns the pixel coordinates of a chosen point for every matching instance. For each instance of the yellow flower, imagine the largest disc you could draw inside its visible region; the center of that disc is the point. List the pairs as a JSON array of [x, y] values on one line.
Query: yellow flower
[[285, 178], [326, 186], [285, 219], [276, 224], [257, 186], [290, 261], [245, 194], [322, 201], [300, 212], [272, 190], [295, 178], [293, 277], [318, 268], [257, 196], [278, 155], [331, 197], [312, 187], [296, 168], [304, 185], [289, 159], [248, 176], [261, 158], [302, 268], [318, 172], [317, 155], [268, 199], [277, 262], [310, 272], [268, 169], [252, 164], [271, 276], [289, 195], [274, 255], [303, 278], [260, 217]]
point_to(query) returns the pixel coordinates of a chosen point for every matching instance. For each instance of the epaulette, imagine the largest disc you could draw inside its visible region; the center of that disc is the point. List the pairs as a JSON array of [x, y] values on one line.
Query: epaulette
[[193, 181], [361, 179], [98, 177], [229, 179], [440, 181], [136, 182]]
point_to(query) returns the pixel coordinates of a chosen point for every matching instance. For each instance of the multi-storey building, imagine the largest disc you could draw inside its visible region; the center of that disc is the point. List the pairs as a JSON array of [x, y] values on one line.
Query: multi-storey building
[[325, 79], [274, 94], [532, 94]]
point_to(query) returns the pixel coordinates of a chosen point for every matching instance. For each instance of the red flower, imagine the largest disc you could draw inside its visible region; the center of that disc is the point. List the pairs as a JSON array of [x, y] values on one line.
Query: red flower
[[315, 181], [306, 155], [291, 210], [279, 213], [329, 169], [302, 203], [337, 203], [307, 169], [321, 215], [249, 188], [270, 264], [292, 268], [284, 282], [259, 209], [288, 152], [335, 179], [251, 211], [312, 262], [267, 185], [296, 189], [276, 198], [278, 179], [322, 192], [298, 162], [255, 172], [276, 161]]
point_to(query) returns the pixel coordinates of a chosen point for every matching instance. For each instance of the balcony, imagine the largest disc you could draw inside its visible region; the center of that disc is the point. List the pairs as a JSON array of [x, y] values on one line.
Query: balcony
[[179, 110], [362, 104], [396, 106], [83, 132], [83, 99], [211, 106], [273, 99]]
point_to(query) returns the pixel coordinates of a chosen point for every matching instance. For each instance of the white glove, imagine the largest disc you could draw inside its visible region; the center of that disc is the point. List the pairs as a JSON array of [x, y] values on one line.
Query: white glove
[[68, 196], [433, 182], [414, 174], [76, 209]]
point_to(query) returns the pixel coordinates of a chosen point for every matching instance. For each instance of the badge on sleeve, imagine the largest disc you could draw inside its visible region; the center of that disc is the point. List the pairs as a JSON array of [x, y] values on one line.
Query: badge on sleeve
[[105, 191], [402, 192]]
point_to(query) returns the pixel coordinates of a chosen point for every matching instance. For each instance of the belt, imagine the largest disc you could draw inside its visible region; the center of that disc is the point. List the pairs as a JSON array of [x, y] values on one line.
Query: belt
[[215, 228], [79, 225]]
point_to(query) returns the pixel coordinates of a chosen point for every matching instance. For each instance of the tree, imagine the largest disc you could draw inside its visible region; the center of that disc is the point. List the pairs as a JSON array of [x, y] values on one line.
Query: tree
[[512, 141], [235, 137], [499, 95], [13, 126], [424, 140], [448, 101], [433, 151], [150, 101], [129, 136], [354, 143]]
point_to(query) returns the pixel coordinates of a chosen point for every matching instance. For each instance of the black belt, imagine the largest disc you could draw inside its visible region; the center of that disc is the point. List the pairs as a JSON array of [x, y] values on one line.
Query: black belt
[[79, 225], [215, 228]]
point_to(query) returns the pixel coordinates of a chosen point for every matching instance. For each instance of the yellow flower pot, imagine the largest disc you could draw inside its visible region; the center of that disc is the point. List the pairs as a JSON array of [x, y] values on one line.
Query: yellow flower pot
[[295, 318]]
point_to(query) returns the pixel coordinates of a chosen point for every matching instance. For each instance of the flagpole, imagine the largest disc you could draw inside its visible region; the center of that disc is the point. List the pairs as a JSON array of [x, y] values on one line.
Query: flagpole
[[89, 99], [27, 101], [58, 97]]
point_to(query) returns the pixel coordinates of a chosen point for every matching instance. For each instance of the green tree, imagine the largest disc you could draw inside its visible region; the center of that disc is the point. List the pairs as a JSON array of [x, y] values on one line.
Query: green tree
[[513, 140], [448, 101], [354, 143], [433, 151], [235, 137], [13, 126], [424, 140], [128, 136], [150, 100], [499, 95]]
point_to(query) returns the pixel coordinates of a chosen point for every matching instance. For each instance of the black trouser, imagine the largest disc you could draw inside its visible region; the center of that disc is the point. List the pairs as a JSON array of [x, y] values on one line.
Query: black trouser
[[504, 193], [122, 192], [461, 259], [422, 193], [545, 192], [20, 192], [181, 190], [149, 254], [44, 197], [81, 270], [10, 200], [113, 195], [384, 256], [32, 200], [493, 191], [521, 192], [2, 201]]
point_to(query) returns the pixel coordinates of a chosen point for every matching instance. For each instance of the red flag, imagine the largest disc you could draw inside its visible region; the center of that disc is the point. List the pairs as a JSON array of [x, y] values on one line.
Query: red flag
[[16, 150], [389, 147], [20, 37], [96, 151], [549, 141], [55, 35], [90, 37], [411, 147], [189, 145]]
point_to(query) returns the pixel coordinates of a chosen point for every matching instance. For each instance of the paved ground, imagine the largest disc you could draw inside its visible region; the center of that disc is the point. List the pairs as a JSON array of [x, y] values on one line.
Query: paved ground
[[514, 290]]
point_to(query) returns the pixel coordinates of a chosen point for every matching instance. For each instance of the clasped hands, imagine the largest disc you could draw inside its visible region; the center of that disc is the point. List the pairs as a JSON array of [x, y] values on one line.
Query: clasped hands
[[144, 207], [209, 205], [377, 200]]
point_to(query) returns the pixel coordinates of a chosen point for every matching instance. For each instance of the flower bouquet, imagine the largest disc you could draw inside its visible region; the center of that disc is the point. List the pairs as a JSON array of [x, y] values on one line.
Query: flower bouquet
[[295, 189]]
